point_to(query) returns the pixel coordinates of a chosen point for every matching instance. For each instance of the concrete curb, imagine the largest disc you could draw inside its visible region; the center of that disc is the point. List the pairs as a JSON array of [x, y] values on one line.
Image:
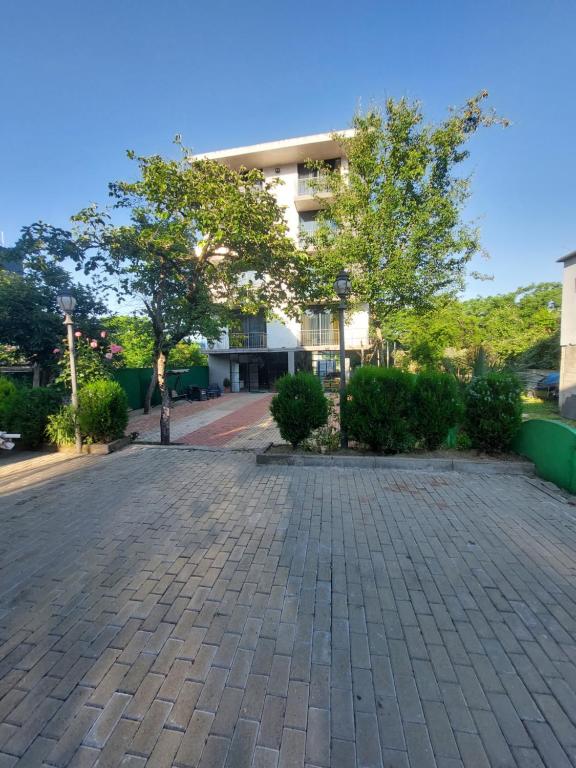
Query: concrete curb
[[466, 466]]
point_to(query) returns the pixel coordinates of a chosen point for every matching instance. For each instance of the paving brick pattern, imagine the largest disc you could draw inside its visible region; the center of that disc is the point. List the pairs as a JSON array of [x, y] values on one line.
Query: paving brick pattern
[[231, 427], [239, 421], [165, 607]]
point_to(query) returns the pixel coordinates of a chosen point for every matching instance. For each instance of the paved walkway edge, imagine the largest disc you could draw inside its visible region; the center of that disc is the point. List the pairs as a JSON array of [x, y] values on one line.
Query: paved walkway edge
[[398, 462]]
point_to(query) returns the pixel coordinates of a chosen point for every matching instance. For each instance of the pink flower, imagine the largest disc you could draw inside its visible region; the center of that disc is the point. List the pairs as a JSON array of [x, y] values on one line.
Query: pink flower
[[108, 355], [56, 351], [94, 344], [103, 334], [77, 334], [114, 348]]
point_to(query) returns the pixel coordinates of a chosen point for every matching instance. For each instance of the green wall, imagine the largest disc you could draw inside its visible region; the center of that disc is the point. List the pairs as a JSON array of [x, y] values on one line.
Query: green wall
[[551, 445], [135, 381]]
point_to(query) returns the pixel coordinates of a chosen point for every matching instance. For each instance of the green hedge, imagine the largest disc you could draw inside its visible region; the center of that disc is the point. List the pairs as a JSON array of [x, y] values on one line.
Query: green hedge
[[493, 411], [300, 406], [102, 411], [25, 411], [378, 408]]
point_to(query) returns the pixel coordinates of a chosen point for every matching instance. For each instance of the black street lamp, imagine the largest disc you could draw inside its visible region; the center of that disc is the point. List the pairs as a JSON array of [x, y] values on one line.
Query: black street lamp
[[67, 304], [342, 288]]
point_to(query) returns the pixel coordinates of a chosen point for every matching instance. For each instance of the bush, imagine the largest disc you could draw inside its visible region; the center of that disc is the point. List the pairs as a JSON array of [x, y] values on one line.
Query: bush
[[299, 407], [102, 411], [437, 407], [60, 427], [378, 409], [493, 411], [8, 391], [28, 411]]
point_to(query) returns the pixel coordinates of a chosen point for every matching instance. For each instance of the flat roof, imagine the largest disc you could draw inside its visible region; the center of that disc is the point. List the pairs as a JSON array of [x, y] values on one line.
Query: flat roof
[[320, 146]]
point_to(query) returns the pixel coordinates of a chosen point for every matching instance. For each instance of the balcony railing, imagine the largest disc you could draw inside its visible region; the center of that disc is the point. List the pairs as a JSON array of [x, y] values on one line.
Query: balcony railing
[[319, 338], [312, 185], [253, 340]]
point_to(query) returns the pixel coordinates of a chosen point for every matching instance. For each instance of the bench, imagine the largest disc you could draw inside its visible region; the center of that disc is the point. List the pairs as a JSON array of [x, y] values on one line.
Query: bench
[[6, 439]]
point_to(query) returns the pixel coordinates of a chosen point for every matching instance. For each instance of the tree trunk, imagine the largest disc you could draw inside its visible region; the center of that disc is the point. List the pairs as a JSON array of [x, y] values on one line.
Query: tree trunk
[[165, 395], [151, 388]]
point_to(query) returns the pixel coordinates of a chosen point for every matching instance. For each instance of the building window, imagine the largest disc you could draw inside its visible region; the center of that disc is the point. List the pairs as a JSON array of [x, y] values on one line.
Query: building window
[[319, 327], [247, 332], [310, 178]]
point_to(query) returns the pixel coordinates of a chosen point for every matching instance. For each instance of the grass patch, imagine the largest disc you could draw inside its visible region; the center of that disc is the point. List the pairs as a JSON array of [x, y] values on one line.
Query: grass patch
[[535, 408]]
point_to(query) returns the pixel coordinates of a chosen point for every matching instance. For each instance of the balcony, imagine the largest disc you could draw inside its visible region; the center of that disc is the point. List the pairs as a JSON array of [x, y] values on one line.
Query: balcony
[[321, 337], [251, 340], [310, 188]]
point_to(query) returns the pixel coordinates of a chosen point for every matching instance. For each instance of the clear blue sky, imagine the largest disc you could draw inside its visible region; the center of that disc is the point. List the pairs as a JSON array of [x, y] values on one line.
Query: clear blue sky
[[83, 81]]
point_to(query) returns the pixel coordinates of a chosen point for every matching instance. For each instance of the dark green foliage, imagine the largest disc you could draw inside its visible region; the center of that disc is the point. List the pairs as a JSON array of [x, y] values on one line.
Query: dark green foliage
[[493, 411], [7, 393], [379, 408], [437, 407], [27, 411], [299, 407], [102, 411]]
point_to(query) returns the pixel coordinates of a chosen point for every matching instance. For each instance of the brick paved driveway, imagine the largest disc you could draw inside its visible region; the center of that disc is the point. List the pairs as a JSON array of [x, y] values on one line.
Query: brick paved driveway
[[167, 607]]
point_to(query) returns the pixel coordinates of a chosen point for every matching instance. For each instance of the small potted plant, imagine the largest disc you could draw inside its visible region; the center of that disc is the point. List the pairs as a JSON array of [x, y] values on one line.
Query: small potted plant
[[226, 384]]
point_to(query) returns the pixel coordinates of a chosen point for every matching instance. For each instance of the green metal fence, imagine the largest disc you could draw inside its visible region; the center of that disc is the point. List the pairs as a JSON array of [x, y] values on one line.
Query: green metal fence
[[551, 445], [135, 382]]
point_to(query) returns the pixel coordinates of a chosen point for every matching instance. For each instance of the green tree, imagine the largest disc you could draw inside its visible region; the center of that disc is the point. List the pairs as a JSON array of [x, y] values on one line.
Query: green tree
[[135, 336], [394, 219], [30, 322], [186, 354], [201, 238], [516, 329]]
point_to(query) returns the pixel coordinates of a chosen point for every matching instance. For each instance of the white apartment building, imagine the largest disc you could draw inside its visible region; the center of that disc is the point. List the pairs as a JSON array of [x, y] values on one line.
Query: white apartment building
[[255, 351]]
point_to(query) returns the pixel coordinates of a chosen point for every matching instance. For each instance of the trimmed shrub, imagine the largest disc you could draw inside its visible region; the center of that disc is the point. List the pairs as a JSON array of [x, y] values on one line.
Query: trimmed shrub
[[299, 407], [378, 409], [493, 411], [28, 411], [60, 427], [102, 411], [8, 392], [437, 407]]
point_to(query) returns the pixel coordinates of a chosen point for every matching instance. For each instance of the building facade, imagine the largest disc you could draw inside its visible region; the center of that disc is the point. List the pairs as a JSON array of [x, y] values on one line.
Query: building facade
[[567, 395], [254, 351]]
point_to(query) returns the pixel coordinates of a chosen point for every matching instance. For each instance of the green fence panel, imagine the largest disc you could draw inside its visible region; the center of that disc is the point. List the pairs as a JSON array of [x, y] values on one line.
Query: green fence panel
[[129, 380], [551, 445], [135, 382]]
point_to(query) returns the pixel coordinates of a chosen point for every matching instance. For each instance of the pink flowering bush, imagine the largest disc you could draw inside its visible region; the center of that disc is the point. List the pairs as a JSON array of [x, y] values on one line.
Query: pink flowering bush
[[95, 359]]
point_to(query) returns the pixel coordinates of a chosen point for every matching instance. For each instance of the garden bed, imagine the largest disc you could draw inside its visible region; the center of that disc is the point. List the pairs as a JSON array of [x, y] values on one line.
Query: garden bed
[[444, 460], [99, 449]]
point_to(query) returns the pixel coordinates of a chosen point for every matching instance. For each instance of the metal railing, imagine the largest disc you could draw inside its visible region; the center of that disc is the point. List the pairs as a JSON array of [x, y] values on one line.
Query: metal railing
[[311, 185], [320, 337], [253, 340]]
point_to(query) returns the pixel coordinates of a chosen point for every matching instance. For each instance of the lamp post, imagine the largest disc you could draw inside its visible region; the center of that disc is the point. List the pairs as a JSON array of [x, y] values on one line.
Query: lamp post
[[342, 288], [67, 303]]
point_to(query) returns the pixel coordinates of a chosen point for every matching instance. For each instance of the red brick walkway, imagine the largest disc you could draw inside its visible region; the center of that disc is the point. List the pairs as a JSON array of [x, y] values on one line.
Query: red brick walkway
[[229, 427], [182, 410]]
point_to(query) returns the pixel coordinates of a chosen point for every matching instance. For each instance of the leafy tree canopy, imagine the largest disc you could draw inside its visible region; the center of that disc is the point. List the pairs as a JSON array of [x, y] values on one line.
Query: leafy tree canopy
[[30, 320], [520, 328], [135, 335], [201, 238], [394, 219]]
